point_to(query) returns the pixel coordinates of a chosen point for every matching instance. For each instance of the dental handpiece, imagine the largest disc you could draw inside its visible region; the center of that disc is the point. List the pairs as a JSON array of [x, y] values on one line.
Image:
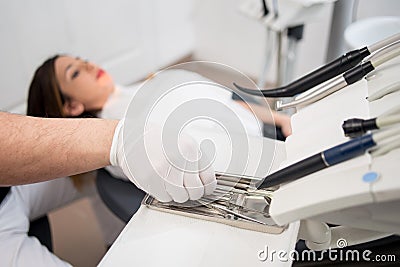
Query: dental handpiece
[[349, 77], [320, 161], [324, 73], [332, 156]]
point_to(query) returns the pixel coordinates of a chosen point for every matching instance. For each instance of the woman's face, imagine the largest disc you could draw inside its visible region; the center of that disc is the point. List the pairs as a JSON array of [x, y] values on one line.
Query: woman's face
[[86, 86]]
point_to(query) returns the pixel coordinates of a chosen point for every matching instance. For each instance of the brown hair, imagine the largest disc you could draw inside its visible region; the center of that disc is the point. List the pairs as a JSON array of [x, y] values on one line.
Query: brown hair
[[45, 99]]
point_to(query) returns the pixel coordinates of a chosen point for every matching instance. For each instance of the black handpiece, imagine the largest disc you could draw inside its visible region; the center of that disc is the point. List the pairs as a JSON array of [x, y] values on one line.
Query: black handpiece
[[324, 159], [322, 74]]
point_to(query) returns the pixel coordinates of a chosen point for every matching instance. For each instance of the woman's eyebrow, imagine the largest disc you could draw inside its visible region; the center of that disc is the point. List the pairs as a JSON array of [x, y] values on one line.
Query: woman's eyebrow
[[69, 66], [66, 70]]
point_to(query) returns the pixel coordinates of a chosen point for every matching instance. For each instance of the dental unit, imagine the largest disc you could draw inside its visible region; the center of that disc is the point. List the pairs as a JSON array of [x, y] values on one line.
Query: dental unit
[[366, 165]]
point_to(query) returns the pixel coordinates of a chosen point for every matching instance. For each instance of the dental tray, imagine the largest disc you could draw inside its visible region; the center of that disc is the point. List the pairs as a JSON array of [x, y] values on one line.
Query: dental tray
[[235, 202]]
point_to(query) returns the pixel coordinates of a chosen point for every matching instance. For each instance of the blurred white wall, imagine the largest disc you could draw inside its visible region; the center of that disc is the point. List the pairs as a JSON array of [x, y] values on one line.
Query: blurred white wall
[[348, 11], [128, 38], [132, 38], [373, 8], [226, 35]]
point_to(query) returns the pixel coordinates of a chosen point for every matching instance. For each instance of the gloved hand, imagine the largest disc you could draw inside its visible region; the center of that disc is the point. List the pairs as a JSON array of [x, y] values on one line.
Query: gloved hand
[[150, 170]]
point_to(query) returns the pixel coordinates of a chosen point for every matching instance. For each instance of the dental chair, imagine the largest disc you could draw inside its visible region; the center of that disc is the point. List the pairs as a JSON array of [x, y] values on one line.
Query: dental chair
[[40, 228], [123, 198]]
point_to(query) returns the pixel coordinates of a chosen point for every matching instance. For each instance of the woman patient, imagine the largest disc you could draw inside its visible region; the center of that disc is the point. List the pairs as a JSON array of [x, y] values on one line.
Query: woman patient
[[66, 86]]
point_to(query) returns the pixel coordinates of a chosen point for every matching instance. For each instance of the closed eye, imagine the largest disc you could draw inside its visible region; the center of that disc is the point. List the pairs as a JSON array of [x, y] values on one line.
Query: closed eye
[[75, 74]]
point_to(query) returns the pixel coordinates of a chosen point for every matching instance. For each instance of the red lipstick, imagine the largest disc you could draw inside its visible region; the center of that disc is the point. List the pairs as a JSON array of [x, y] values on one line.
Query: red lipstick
[[100, 73]]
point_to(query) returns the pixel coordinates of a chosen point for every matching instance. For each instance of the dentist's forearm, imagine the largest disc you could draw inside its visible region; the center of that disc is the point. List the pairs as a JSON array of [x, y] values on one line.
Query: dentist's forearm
[[37, 149]]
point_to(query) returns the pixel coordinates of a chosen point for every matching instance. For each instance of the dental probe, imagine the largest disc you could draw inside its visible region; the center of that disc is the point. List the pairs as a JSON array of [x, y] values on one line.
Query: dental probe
[[332, 156], [324, 73]]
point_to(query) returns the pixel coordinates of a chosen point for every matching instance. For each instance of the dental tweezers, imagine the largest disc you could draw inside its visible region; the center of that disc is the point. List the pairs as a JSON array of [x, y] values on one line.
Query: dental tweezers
[[231, 212]]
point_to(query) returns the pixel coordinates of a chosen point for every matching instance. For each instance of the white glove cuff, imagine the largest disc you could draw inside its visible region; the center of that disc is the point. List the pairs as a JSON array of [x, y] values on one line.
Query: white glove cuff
[[117, 140]]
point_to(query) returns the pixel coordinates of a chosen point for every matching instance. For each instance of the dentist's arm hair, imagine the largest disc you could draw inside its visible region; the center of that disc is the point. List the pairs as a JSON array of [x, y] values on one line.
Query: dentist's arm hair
[[37, 149]]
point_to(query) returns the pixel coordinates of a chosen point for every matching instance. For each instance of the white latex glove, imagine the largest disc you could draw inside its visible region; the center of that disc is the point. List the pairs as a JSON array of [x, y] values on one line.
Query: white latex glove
[[150, 170]]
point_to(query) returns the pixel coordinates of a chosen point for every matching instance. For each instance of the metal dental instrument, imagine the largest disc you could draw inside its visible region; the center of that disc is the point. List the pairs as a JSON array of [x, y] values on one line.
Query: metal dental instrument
[[324, 73], [230, 203], [234, 201], [236, 214], [230, 196], [349, 77], [332, 156]]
